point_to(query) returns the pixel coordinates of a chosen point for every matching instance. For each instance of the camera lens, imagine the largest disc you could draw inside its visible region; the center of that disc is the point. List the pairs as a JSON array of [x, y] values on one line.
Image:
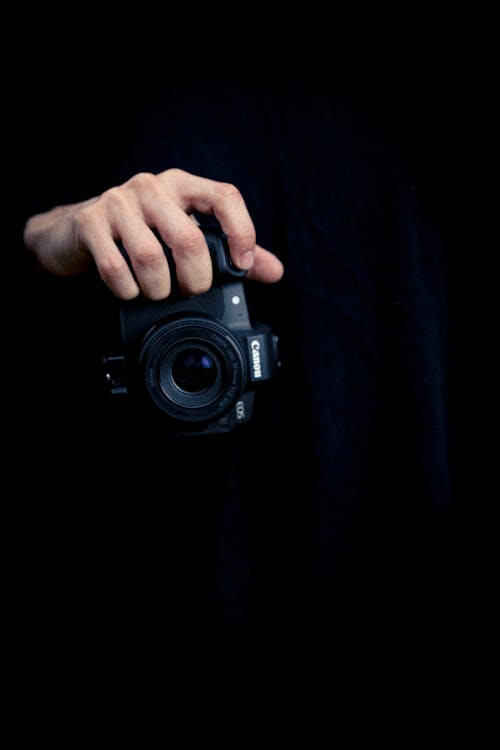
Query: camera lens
[[194, 370]]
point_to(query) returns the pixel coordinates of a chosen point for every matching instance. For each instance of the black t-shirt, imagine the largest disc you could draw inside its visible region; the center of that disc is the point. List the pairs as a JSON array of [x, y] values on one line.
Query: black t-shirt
[[335, 503]]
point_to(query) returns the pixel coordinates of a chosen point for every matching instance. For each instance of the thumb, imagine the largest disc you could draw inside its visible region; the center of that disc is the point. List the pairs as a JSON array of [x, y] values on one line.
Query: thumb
[[266, 267]]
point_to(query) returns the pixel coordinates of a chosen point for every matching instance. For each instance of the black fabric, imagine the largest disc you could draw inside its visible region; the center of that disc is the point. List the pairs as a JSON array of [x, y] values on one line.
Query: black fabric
[[334, 507]]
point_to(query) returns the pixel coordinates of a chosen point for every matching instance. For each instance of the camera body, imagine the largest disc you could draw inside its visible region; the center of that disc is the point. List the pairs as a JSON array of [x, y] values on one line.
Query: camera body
[[190, 365]]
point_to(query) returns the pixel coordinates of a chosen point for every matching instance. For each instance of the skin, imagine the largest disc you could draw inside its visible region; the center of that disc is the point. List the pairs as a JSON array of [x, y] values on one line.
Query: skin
[[67, 240]]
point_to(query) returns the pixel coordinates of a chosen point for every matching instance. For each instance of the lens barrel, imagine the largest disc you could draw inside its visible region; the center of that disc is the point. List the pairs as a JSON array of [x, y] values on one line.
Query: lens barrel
[[194, 369]]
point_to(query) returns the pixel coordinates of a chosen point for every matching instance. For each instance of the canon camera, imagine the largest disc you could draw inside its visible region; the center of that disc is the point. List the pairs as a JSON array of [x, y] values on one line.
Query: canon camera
[[191, 365]]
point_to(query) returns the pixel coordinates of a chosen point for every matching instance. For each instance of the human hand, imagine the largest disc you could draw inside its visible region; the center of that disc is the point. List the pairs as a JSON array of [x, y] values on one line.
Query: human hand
[[66, 239]]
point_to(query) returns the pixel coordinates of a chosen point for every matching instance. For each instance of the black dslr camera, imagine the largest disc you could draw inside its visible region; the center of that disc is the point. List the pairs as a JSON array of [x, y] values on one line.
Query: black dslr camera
[[190, 365]]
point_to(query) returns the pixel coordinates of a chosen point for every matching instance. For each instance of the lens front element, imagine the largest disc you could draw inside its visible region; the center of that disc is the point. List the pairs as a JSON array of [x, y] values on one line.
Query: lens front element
[[194, 370]]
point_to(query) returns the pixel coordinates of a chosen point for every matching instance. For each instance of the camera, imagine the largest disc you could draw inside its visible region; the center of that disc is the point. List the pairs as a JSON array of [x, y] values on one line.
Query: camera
[[191, 365]]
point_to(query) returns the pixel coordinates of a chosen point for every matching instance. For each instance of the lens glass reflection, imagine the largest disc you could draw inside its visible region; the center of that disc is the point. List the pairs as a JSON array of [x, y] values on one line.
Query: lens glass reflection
[[194, 370]]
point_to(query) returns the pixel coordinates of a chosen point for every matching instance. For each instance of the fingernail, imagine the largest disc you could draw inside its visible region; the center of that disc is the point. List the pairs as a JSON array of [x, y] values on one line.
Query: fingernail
[[247, 259]]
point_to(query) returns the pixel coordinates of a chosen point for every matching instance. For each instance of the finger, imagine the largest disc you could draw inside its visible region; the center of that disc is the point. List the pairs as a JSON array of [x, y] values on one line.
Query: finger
[[226, 203], [266, 268], [193, 265], [146, 255], [114, 271], [95, 236]]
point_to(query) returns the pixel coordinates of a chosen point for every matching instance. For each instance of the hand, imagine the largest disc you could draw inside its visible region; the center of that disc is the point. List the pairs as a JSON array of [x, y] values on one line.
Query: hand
[[66, 239]]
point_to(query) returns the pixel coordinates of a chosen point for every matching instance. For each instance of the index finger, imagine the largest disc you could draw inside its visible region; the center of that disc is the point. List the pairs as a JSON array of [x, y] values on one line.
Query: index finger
[[225, 201]]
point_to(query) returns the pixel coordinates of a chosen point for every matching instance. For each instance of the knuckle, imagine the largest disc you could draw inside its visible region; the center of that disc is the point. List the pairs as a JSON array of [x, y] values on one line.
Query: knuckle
[[141, 181], [110, 268], [174, 173], [189, 241], [84, 220], [148, 257], [114, 199], [228, 190]]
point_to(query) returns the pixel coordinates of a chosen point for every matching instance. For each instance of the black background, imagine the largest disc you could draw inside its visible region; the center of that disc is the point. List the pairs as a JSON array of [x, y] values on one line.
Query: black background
[[76, 524]]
